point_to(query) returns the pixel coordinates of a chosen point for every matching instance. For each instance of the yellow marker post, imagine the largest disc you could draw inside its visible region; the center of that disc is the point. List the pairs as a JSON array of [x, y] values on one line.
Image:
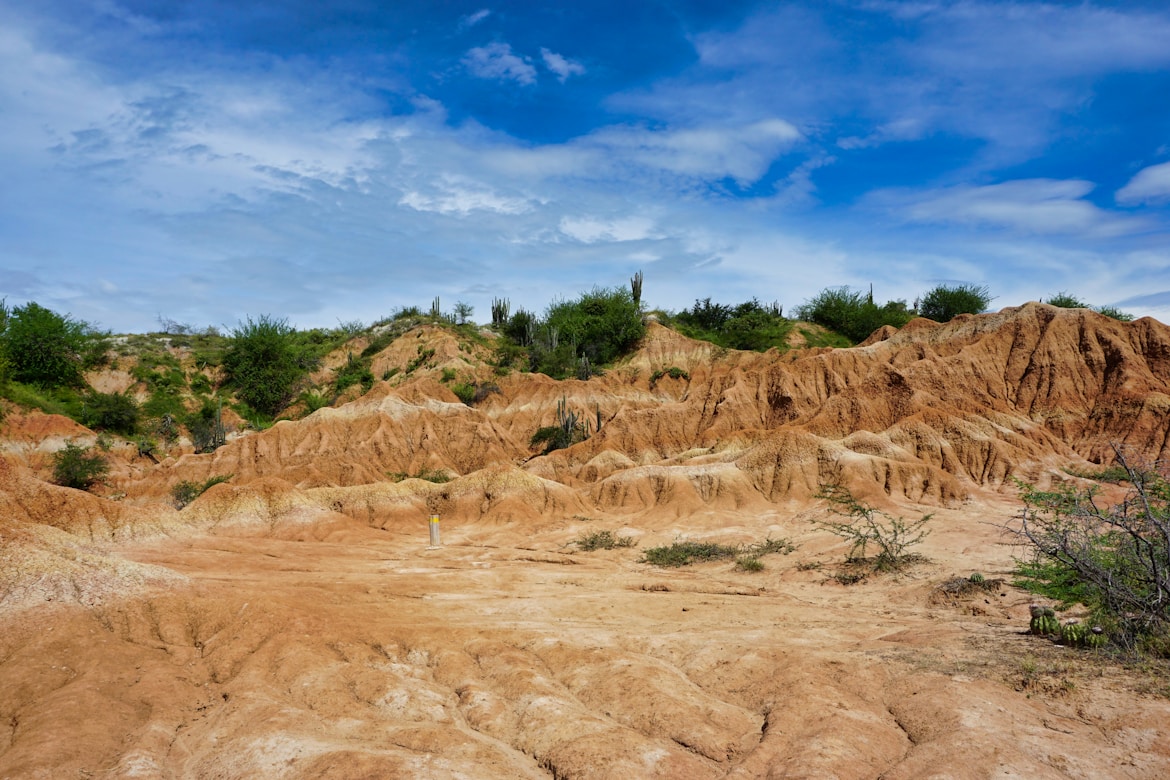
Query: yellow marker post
[[434, 524]]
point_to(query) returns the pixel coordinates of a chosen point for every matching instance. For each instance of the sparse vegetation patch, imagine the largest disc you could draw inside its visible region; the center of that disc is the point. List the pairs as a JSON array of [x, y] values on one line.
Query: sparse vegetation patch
[[187, 491], [602, 540], [438, 476], [684, 553], [674, 372]]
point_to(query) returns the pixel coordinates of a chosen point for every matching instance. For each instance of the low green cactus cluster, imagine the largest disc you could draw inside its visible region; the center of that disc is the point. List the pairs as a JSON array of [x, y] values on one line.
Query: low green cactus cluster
[[1080, 635], [1044, 622]]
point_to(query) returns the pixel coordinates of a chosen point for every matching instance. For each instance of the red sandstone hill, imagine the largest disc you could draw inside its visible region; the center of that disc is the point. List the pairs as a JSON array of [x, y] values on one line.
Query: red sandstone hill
[[925, 412]]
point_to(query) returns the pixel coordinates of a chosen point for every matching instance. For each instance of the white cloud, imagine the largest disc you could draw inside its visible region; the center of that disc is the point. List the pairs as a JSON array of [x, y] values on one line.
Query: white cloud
[[591, 230], [742, 152], [1034, 206], [1149, 185], [704, 152], [561, 66], [460, 196], [471, 20], [797, 188], [496, 61], [907, 129]]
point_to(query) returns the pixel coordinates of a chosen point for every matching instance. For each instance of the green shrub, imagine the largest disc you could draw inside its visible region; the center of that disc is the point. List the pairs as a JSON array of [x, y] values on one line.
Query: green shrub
[[892, 536], [162, 402], [116, 412], [379, 343], [602, 540], [420, 360], [674, 372], [1066, 300], [749, 563], [264, 363], [705, 315], [945, 302], [683, 553], [464, 392], [1115, 473], [750, 325], [206, 427], [78, 467], [686, 553], [1115, 313], [852, 313], [355, 371], [42, 347], [187, 491], [312, 401], [602, 325]]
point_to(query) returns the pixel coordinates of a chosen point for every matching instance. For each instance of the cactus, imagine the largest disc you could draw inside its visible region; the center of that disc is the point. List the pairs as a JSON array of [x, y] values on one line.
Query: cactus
[[1073, 633], [1044, 622], [1080, 635], [500, 307], [636, 288]]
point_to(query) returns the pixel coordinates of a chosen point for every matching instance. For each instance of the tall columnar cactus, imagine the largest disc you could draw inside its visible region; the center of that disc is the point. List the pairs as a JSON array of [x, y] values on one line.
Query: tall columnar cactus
[[500, 308]]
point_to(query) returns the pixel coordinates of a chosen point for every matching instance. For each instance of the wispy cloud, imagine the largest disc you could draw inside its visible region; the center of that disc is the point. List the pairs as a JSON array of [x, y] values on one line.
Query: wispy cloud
[[590, 230], [460, 195], [1150, 185], [1031, 206], [741, 152], [496, 61], [561, 66], [471, 20]]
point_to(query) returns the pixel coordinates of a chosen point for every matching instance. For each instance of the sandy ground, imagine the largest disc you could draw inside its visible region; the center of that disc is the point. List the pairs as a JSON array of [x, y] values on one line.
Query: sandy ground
[[508, 653]]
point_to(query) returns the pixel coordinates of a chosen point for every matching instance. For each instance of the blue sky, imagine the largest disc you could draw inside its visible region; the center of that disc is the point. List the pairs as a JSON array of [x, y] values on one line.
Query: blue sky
[[326, 162]]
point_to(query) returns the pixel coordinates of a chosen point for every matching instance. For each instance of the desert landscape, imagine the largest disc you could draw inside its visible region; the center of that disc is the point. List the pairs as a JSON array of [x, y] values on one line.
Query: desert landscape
[[295, 621], [584, 391]]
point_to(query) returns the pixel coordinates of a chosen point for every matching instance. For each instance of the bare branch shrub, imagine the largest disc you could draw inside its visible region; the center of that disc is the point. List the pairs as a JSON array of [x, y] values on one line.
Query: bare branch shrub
[[1115, 560], [866, 525]]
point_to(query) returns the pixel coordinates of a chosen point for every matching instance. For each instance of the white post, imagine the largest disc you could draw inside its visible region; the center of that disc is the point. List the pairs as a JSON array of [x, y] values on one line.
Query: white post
[[434, 524]]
